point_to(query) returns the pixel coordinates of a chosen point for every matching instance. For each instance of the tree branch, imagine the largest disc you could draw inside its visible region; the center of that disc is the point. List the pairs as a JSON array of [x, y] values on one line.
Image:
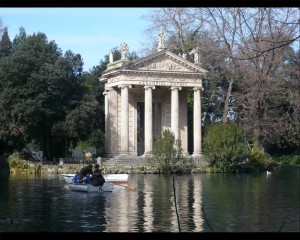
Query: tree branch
[[267, 50]]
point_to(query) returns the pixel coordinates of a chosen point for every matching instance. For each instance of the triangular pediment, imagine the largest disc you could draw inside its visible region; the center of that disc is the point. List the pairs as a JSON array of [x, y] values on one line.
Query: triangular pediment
[[164, 61]]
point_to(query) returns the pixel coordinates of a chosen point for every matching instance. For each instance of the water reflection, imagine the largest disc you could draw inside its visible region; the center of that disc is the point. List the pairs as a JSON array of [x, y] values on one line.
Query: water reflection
[[231, 202]]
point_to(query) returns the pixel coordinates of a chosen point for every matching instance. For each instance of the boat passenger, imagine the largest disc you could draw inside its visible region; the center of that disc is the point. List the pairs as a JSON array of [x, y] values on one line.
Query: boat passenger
[[87, 170], [97, 169], [97, 178], [76, 177], [87, 179]]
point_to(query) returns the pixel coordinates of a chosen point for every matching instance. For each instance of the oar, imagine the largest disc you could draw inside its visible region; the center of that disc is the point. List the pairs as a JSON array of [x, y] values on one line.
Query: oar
[[133, 188]]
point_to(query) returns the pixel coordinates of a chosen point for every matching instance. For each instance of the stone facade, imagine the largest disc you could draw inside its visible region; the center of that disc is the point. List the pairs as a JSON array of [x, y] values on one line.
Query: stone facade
[[146, 96]]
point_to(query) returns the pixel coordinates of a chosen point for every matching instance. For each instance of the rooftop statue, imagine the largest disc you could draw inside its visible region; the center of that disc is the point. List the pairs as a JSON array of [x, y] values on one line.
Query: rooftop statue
[[124, 49], [196, 57], [161, 40], [111, 57]]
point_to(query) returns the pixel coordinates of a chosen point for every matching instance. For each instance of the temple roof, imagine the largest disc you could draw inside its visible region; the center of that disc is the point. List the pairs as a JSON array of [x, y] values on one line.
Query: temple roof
[[161, 62]]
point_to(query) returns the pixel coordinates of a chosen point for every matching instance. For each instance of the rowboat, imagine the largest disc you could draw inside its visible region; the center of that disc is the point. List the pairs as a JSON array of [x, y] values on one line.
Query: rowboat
[[113, 178], [83, 187]]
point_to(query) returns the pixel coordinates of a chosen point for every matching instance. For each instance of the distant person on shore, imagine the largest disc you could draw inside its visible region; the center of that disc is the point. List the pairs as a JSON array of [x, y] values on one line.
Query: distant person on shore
[[87, 170]]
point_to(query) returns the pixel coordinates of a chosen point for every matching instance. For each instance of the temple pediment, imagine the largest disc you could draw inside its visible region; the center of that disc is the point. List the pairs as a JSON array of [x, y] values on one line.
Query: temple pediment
[[164, 61], [162, 68], [159, 63]]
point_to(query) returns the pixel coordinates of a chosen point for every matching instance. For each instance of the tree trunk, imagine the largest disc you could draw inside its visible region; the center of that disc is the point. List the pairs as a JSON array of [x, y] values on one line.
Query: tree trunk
[[226, 104]]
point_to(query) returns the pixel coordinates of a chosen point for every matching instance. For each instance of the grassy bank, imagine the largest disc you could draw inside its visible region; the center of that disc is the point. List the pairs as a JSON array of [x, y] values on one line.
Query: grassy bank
[[19, 165]]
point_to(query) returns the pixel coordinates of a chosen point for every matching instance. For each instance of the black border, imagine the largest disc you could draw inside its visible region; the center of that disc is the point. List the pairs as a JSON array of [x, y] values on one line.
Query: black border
[[149, 3], [155, 235]]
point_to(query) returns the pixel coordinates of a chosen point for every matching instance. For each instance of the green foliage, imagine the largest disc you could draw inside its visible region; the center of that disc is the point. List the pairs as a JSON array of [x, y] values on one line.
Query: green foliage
[[213, 169], [83, 145], [20, 38], [45, 96], [19, 165], [289, 159], [79, 122], [38, 87], [258, 157], [166, 150], [97, 139], [5, 44], [225, 146]]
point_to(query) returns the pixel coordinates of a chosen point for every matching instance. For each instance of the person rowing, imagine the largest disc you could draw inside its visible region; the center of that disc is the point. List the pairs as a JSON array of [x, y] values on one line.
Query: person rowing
[[87, 170], [97, 178]]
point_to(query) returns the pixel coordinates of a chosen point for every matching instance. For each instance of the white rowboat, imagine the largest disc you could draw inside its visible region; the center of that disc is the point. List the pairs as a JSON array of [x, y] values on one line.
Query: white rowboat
[[83, 187], [113, 178]]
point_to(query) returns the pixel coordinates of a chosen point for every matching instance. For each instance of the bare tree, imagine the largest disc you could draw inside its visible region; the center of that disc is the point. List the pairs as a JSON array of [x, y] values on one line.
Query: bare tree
[[224, 26], [252, 58], [269, 96], [177, 23], [257, 22]]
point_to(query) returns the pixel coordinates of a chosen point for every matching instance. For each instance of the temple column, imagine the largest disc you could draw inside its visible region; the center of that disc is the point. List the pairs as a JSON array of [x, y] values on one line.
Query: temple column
[[107, 126], [197, 122], [175, 111], [124, 119], [148, 119]]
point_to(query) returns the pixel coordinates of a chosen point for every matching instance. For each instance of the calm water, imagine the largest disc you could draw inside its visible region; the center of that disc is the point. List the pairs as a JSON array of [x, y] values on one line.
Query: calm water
[[254, 202]]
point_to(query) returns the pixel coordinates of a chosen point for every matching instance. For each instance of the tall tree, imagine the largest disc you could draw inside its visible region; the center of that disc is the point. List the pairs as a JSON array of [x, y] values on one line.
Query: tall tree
[[224, 25], [5, 44], [20, 38], [37, 88]]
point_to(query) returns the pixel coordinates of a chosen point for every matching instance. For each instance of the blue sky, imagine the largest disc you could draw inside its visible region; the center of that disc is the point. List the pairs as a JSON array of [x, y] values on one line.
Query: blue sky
[[91, 32]]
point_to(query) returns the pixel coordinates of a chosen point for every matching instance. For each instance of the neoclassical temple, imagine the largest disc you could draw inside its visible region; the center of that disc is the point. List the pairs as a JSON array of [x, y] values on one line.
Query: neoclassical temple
[[145, 96]]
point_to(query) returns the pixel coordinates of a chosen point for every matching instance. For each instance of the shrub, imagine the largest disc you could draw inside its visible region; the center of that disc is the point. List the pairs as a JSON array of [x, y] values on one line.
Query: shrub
[[225, 146], [20, 165], [258, 157], [166, 150], [289, 159]]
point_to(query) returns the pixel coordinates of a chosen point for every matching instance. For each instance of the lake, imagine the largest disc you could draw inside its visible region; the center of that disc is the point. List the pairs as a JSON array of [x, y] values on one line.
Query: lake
[[205, 202]]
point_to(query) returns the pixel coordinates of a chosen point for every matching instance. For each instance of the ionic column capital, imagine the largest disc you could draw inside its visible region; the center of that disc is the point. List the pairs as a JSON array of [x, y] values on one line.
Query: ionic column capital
[[198, 88], [124, 86], [174, 88], [149, 87]]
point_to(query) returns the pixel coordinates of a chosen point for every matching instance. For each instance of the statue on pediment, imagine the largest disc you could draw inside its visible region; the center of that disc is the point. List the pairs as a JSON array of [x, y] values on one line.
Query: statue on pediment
[[161, 40], [196, 53], [124, 49], [111, 57]]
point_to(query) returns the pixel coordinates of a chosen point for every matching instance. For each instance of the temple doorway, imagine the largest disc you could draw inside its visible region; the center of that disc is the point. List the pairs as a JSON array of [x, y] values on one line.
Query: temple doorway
[[140, 128], [156, 119]]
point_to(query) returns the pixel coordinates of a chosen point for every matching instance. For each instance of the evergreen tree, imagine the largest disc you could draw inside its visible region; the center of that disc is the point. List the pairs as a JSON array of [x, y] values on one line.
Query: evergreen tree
[[5, 44], [20, 38], [39, 86]]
